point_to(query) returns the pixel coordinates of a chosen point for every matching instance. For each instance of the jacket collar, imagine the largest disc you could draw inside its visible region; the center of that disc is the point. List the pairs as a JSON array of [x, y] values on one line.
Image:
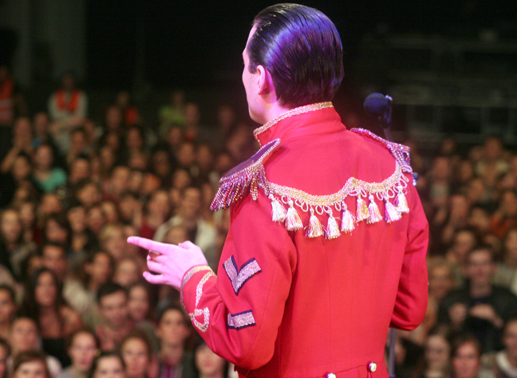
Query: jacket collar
[[305, 120]]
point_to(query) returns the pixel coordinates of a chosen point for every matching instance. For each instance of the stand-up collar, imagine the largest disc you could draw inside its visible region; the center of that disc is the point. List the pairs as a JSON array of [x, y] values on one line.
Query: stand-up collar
[[302, 121]]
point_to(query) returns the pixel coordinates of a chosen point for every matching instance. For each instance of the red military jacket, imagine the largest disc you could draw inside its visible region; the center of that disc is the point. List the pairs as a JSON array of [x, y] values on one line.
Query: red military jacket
[[326, 250]]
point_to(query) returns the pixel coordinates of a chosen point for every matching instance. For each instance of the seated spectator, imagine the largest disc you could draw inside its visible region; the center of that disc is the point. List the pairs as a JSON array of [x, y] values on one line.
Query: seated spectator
[[55, 229], [7, 310], [128, 271], [88, 193], [441, 281], [96, 270], [139, 305], [466, 358], [505, 274], [78, 145], [113, 240], [156, 212], [13, 250], [131, 115], [24, 338], [200, 232], [5, 351], [207, 363], [80, 169], [436, 360], [95, 219], [44, 303], [172, 113], [67, 101], [81, 238], [27, 211], [21, 143], [108, 364], [504, 217], [118, 183], [479, 307], [136, 351], [173, 330], [110, 211], [115, 321], [31, 364], [82, 347], [504, 363], [47, 177]]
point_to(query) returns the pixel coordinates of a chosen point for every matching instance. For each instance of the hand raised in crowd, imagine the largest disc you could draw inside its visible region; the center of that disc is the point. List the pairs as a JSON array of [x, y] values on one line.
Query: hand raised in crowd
[[170, 261], [485, 311]]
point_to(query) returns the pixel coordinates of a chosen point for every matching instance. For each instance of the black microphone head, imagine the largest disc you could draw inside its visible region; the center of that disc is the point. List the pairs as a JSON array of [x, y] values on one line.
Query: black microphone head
[[376, 104]]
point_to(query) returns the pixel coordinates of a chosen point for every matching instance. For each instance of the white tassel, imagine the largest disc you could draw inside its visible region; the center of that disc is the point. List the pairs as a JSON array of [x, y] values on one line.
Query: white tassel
[[375, 214], [362, 209], [332, 230], [278, 210], [401, 202], [347, 220], [315, 228], [292, 221], [391, 213]]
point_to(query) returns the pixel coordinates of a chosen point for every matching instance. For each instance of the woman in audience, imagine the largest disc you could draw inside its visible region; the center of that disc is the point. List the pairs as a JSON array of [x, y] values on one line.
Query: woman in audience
[[207, 363], [503, 364], [136, 351], [7, 310], [30, 364], [108, 365], [5, 351], [25, 338], [82, 347], [436, 360], [43, 302]]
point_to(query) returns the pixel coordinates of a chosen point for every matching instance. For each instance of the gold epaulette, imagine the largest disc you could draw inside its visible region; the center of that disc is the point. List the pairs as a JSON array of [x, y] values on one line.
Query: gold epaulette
[[286, 202], [399, 151], [249, 175]]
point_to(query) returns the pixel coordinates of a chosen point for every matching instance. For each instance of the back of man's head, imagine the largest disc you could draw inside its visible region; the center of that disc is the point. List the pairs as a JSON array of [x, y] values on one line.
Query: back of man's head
[[301, 49]]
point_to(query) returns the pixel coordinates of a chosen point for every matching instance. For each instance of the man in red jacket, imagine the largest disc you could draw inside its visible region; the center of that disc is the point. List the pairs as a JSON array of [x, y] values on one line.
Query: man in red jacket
[[327, 242]]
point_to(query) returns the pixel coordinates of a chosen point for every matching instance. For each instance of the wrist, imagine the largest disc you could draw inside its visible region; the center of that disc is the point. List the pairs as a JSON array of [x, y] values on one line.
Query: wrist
[[191, 271]]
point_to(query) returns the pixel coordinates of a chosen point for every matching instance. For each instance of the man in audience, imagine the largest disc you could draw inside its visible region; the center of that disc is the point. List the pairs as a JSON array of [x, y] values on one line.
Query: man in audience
[[479, 306], [115, 321]]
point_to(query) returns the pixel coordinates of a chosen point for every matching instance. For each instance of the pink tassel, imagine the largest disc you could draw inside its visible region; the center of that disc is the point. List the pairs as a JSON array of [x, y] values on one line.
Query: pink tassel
[[292, 221], [391, 213], [362, 209], [278, 210], [347, 220], [375, 214], [332, 230], [401, 202], [315, 228]]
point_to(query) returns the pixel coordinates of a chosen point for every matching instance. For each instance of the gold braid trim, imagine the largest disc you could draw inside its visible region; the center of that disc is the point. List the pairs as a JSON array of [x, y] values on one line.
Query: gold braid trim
[[290, 113], [384, 190]]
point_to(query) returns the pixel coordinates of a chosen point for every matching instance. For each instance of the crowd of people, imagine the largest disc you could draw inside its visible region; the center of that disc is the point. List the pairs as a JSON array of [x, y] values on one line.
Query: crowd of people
[[72, 300]]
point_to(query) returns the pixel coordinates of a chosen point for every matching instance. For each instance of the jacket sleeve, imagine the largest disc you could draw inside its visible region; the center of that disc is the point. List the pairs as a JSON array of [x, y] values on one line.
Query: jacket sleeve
[[238, 313], [411, 302]]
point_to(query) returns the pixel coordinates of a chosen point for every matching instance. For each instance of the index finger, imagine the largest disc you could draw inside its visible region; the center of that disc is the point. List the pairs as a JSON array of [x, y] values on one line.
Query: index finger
[[148, 244]]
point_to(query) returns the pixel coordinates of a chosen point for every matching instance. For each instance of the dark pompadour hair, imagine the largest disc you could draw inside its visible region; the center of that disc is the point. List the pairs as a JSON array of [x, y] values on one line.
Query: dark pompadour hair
[[302, 50]]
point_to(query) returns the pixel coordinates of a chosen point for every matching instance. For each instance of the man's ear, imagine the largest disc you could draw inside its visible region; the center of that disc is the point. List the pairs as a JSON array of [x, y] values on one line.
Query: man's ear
[[265, 81]]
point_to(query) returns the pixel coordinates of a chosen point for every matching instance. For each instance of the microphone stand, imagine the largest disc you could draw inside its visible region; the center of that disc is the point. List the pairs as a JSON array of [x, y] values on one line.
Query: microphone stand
[[385, 121]]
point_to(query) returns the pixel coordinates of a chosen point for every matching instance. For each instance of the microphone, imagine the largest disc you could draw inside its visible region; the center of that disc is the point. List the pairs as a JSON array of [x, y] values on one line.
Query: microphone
[[379, 105], [376, 104]]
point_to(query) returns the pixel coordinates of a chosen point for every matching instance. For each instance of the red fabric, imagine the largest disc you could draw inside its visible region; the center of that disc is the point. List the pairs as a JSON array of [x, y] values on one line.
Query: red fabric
[[320, 306], [6, 101], [71, 104]]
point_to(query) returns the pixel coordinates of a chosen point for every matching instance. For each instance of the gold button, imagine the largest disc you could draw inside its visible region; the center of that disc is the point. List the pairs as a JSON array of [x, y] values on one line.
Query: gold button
[[372, 366]]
